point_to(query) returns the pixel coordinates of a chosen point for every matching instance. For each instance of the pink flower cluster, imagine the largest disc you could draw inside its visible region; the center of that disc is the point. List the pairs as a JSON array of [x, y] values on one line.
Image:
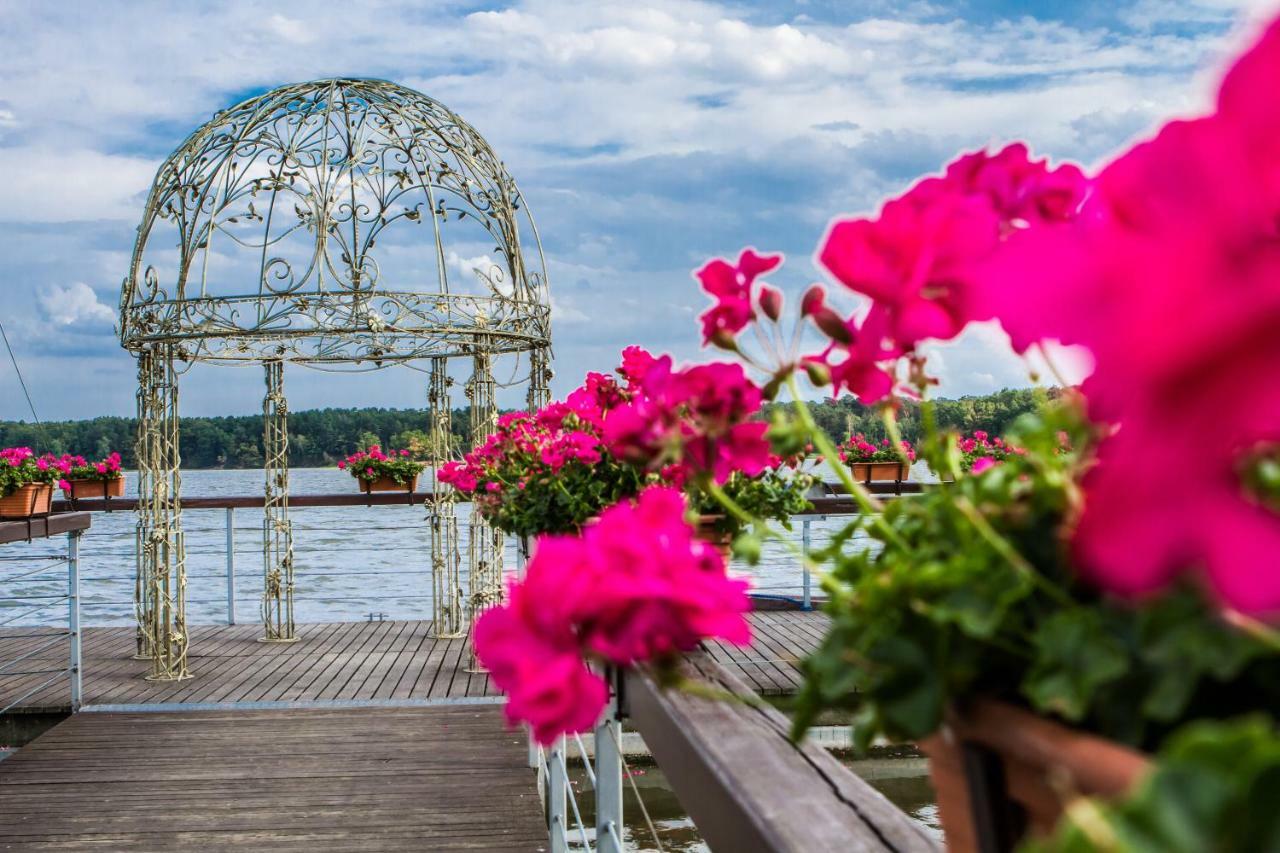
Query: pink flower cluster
[[859, 449], [920, 260], [638, 585], [980, 451], [15, 456], [375, 462], [532, 445], [22, 467], [689, 422], [79, 468], [1170, 277], [1165, 266]]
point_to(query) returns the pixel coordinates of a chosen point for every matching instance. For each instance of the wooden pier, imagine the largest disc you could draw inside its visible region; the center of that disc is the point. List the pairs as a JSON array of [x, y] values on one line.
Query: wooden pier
[[444, 778], [342, 663]]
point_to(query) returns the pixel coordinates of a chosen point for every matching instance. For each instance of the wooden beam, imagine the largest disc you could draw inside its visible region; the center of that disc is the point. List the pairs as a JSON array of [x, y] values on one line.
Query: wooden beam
[[745, 784]]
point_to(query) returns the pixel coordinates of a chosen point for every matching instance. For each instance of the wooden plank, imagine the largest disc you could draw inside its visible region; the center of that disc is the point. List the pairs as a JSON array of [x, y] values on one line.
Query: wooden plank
[[746, 786], [367, 779]]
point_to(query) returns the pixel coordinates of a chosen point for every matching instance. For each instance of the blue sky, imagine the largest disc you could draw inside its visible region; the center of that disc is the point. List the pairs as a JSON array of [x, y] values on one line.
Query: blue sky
[[646, 137]]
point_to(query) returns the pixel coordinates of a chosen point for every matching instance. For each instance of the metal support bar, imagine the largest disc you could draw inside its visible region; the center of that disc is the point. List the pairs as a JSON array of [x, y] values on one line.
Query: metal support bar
[[557, 796], [608, 778], [231, 565], [73, 616]]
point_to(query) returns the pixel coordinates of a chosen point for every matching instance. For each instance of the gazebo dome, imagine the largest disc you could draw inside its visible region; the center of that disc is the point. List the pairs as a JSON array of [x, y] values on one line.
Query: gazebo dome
[[338, 222]]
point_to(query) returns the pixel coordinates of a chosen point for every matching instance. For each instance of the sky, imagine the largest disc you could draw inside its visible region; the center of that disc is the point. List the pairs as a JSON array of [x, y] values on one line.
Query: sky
[[646, 138]]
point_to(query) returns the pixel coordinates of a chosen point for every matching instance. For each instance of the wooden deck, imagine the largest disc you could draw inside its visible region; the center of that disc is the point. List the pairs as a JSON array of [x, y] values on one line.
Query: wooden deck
[[339, 663], [345, 779]]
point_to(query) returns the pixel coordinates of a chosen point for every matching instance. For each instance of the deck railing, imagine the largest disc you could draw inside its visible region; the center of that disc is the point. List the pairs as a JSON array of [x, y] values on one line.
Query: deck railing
[[799, 594], [29, 573]]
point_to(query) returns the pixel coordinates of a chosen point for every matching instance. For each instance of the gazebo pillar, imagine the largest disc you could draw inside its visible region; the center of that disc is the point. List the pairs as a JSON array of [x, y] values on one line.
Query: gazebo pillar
[[485, 545], [539, 393], [277, 529], [160, 596], [448, 617]]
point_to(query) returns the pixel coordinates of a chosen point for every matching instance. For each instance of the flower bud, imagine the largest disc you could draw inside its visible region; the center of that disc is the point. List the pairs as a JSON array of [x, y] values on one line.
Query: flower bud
[[724, 339], [833, 326], [814, 299], [819, 373], [771, 302]]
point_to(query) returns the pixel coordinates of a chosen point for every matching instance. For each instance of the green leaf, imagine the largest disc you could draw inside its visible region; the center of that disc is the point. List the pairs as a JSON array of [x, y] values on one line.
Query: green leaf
[[1075, 657]]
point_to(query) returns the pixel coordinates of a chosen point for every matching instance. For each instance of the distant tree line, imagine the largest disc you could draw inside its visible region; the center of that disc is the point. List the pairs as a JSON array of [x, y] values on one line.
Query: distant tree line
[[993, 413], [317, 437], [321, 437]]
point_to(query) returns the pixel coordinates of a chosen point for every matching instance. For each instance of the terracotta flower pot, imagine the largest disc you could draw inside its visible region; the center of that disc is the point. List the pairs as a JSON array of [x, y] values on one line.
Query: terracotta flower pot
[[707, 532], [83, 489], [387, 484], [31, 499], [870, 472], [1002, 773]]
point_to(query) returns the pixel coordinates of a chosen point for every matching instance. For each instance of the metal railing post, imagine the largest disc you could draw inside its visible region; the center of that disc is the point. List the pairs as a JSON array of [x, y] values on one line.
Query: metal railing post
[[73, 616], [805, 540], [231, 566], [557, 798], [522, 550], [608, 767]]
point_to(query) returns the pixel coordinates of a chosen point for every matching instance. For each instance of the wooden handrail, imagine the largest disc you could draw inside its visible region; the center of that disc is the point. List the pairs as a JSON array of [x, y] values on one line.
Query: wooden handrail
[[42, 527], [830, 505], [252, 501], [745, 784]]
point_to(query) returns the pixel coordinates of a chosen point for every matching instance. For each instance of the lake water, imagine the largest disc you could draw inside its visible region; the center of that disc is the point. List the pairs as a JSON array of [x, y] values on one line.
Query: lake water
[[349, 561]]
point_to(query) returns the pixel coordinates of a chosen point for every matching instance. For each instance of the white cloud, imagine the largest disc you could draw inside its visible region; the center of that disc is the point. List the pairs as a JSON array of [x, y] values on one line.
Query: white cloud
[[723, 125], [75, 304], [56, 185]]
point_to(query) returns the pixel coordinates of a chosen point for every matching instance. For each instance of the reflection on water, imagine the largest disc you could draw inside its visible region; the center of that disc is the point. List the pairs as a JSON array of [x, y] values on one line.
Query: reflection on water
[[904, 781]]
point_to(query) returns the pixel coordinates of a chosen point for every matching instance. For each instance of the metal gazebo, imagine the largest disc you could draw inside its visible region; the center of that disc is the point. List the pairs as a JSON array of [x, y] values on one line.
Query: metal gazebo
[[326, 224]]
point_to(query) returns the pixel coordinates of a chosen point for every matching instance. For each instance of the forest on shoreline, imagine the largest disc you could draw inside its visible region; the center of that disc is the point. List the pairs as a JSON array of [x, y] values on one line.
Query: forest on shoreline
[[321, 437]]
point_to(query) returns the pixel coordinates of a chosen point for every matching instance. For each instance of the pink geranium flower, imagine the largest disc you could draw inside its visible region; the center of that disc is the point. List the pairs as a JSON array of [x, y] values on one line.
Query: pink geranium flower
[[731, 286], [1170, 276], [638, 585]]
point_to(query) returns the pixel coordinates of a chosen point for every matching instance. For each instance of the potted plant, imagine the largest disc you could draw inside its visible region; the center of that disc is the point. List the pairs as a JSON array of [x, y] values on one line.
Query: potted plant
[[775, 495], [548, 471], [82, 479], [26, 482], [982, 450], [870, 462], [377, 470]]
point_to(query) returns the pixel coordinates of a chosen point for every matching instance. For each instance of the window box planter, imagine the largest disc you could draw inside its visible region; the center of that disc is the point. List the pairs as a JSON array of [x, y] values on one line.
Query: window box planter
[[83, 489], [26, 501], [388, 484], [1002, 773], [871, 472]]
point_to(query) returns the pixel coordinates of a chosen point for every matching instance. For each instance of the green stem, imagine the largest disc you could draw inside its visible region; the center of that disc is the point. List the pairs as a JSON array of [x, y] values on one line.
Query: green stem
[[1010, 554], [718, 492], [1259, 631], [865, 500]]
